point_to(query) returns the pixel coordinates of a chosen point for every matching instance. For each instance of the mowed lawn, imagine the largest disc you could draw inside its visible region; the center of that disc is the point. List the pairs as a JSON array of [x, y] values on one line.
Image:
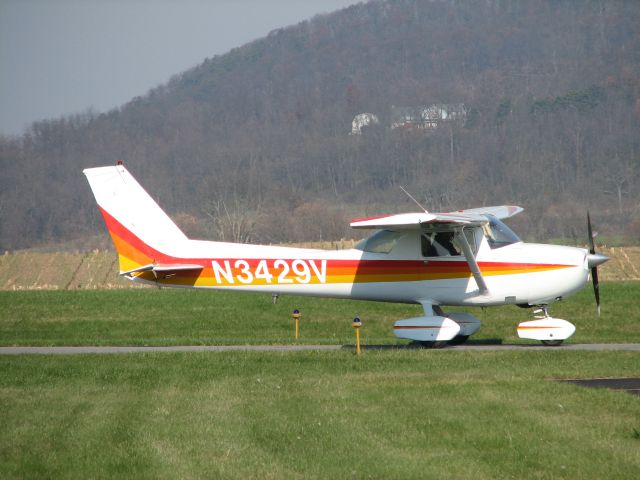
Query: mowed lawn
[[384, 414], [406, 413], [148, 316]]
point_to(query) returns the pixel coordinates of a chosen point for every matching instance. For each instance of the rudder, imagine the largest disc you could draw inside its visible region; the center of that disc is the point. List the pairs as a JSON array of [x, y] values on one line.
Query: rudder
[[141, 231]]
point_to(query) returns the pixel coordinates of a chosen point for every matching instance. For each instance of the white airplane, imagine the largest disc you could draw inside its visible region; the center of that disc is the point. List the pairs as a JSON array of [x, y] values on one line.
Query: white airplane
[[464, 258]]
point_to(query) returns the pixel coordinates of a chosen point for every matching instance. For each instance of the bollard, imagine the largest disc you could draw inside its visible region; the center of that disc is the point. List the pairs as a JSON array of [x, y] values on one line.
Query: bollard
[[356, 325], [296, 317]]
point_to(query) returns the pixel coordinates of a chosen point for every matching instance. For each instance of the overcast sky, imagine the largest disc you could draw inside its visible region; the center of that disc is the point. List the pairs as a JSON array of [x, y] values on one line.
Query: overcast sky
[[64, 56]]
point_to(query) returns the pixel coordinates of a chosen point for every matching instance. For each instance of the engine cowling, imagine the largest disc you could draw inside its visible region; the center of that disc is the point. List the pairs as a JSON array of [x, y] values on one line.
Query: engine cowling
[[427, 329]]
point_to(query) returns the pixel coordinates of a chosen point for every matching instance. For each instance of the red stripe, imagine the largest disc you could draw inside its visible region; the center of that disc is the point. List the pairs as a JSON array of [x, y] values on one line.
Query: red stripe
[[370, 218], [413, 327]]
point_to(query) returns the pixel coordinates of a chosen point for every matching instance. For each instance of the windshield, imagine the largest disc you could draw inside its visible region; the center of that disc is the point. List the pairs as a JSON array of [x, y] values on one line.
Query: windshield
[[498, 234], [382, 241]]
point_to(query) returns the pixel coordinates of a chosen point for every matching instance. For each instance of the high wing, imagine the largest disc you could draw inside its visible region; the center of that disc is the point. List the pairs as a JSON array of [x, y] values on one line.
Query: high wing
[[461, 218], [400, 221], [501, 212], [415, 221]]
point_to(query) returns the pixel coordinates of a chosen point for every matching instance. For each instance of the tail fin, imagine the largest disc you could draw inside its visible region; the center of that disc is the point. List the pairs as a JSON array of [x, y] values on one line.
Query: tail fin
[[141, 231]]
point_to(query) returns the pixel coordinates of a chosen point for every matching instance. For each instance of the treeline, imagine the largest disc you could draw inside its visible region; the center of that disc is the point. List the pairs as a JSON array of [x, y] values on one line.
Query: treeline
[[254, 146]]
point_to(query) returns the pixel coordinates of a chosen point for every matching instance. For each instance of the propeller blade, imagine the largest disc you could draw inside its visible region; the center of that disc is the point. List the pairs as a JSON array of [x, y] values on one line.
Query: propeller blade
[[592, 246], [593, 260], [596, 287]]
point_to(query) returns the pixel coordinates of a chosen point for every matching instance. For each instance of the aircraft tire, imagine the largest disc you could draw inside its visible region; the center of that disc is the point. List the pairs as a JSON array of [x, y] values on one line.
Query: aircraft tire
[[458, 340], [439, 344], [551, 343]]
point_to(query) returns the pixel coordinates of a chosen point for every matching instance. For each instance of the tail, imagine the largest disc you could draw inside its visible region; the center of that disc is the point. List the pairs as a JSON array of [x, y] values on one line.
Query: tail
[[141, 231]]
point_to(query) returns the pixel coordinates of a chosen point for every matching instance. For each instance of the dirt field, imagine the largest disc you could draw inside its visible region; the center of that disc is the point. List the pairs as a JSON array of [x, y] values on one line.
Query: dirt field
[[60, 271], [99, 269]]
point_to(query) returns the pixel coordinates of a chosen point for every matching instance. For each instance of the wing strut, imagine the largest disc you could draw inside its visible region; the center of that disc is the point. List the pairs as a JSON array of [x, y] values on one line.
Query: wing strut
[[471, 261]]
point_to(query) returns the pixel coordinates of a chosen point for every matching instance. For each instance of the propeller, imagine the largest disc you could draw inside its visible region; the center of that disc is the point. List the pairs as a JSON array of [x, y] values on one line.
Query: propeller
[[593, 260]]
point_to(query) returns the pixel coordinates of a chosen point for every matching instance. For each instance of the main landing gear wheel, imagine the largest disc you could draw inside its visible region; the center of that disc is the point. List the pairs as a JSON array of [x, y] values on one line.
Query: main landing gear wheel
[[459, 340], [552, 343], [438, 344]]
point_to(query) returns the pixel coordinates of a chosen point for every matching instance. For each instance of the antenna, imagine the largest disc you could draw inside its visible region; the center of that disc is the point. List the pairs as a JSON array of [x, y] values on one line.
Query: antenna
[[414, 200]]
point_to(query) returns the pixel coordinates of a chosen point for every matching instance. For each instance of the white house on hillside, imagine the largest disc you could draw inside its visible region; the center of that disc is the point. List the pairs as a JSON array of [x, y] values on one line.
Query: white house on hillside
[[429, 116], [363, 120]]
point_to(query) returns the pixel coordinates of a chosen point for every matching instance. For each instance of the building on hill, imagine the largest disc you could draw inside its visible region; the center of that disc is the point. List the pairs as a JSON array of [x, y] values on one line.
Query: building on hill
[[405, 118], [426, 117], [435, 114], [363, 120]]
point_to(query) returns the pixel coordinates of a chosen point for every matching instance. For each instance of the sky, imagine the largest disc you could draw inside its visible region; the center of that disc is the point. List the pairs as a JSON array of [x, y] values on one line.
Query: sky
[[59, 57]]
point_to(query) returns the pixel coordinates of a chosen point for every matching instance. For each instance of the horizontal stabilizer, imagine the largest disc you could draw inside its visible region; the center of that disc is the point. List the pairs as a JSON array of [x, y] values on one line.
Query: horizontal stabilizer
[[164, 268]]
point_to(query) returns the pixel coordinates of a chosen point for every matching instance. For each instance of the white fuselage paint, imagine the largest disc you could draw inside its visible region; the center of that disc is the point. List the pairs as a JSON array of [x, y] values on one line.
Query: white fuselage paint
[[285, 270]]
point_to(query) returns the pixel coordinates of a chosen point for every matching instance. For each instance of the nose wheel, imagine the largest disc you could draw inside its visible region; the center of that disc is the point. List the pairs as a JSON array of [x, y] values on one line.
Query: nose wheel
[[550, 331]]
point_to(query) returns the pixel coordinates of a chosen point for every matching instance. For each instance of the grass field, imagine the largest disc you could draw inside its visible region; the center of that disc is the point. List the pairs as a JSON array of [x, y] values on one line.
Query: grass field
[[145, 316], [385, 414]]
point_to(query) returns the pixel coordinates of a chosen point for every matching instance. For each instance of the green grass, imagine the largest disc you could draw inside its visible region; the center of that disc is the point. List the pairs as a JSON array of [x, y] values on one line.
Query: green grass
[[385, 414], [148, 316]]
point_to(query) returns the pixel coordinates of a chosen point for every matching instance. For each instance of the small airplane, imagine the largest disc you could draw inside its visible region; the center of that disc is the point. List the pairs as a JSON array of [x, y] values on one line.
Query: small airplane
[[463, 258]]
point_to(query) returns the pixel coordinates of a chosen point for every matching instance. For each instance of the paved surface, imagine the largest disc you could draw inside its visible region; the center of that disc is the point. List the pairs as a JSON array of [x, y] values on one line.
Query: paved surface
[[179, 348], [629, 385], [262, 348], [577, 346]]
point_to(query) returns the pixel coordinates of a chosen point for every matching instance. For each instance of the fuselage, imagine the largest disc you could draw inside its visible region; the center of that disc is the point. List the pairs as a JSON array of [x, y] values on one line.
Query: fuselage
[[518, 273], [468, 257]]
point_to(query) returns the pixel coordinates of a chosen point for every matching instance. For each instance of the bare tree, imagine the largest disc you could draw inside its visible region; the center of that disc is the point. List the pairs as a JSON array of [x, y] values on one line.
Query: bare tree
[[232, 221], [618, 177]]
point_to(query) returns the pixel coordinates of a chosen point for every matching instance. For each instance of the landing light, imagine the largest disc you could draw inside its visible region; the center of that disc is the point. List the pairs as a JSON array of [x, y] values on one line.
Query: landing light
[[296, 318], [356, 325]]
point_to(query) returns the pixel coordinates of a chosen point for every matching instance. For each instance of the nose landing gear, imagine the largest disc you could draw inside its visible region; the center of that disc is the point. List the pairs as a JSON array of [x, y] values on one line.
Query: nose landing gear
[[550, 331]]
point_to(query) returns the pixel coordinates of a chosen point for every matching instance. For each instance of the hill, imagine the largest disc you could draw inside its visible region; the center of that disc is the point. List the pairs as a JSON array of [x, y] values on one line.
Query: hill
[[255, 145]]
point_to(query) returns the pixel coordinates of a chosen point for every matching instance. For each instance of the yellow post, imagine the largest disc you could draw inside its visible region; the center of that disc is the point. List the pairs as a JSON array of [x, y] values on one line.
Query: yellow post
[[296, 317], [356, 325]]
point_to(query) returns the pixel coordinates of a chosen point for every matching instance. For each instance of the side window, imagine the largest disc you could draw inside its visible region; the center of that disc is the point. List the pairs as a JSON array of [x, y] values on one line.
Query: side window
[[439, 244], [383, 241], [446, 244]]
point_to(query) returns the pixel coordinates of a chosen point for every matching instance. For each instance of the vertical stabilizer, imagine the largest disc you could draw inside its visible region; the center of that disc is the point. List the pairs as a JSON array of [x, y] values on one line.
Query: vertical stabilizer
[[141, 231]]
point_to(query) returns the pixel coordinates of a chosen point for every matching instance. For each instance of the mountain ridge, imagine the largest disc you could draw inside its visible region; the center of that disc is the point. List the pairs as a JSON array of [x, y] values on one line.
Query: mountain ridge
[[552, 91]]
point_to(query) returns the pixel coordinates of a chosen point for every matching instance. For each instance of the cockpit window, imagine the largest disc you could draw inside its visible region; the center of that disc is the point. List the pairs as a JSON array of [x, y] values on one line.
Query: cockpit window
[[382, 241], [439, 244], [446, 243], [498, 234]]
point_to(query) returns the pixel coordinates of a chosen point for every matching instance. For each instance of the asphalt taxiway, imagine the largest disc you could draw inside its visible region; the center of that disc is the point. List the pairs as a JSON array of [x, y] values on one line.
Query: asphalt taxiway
[[290, 348]]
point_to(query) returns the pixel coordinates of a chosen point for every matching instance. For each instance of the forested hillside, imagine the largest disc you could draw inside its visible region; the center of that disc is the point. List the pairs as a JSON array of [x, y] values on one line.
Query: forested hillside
[[255, 145]]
